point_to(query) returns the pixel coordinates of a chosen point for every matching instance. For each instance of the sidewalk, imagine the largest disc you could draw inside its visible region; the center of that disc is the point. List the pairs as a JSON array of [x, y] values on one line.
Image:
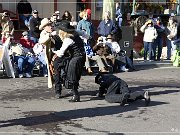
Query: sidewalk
[[141, 64]]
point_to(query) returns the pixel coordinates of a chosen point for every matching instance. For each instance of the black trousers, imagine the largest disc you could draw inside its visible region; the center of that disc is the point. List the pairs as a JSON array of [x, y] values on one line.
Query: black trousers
[[59, 64], [116, 91]]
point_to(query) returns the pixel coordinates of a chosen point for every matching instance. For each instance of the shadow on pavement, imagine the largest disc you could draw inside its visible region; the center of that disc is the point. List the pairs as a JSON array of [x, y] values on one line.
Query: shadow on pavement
[[160, 92], [37, 118]]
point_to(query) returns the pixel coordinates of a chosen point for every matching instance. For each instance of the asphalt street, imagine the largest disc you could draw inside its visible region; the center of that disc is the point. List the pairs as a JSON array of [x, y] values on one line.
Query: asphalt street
[[27, 106]]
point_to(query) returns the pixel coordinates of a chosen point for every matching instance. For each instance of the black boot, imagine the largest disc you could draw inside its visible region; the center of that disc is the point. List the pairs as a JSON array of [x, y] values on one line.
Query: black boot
[[75, 97]]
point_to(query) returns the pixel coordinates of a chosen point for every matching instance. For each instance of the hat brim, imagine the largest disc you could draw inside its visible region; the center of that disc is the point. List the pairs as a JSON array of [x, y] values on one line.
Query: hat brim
[[71, 29], [42, 26]]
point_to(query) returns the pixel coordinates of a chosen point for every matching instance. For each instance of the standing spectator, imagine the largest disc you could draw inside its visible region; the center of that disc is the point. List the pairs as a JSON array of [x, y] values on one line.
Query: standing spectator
[[127, 21], [106, 26], [67, 16], [86, 26], [151, 17], [150, 34], [171, 32], [24, 10], [118, 14], [34, 26], [6, 24], [159, 40]]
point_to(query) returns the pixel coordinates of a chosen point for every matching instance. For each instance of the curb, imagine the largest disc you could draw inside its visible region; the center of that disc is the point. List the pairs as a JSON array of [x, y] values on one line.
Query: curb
[[152, 64]]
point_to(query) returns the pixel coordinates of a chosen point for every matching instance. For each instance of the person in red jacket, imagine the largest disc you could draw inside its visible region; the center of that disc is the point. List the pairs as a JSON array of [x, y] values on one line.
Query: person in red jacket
[[25, 41]]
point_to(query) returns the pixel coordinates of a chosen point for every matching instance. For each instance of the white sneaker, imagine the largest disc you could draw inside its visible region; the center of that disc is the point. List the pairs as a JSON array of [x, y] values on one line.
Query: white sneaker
[[147, 98], [20, 75], [45, 75], [123, 68], [28, 75]]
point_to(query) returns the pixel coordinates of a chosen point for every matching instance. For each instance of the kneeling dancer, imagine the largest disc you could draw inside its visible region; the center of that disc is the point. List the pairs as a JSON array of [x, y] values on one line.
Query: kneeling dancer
[[117, 90]]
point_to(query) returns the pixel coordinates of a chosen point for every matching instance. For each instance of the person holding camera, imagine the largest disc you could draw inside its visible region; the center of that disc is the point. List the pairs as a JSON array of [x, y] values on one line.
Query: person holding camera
[[150, 34]]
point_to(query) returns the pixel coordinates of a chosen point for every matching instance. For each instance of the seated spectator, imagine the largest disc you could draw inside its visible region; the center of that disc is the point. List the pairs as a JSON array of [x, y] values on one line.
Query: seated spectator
[[26, 42], [122, 62], [24, 62], [104, 52], [24, 10], [39, 50], [55, 21], [90, 55]]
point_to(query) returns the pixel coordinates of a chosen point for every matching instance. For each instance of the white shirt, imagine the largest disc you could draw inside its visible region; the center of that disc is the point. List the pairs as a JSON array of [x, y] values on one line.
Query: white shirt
[[115, 48], [66, 43]]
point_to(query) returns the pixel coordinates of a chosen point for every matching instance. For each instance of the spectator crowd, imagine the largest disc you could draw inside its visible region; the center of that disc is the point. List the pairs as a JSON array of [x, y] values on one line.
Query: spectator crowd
[[105, 52]]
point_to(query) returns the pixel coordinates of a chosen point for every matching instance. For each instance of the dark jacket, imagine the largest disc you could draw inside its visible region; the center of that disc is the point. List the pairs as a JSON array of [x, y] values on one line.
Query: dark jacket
[[102, 50], [104, 29], [105, 80], [34, 27], [24, 8], [160, 30]]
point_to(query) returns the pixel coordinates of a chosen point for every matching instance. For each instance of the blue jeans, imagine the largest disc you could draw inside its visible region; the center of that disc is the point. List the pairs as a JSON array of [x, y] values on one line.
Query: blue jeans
[[148, 48], [35, 40], [171, 47], [158, 43], [24, 62]]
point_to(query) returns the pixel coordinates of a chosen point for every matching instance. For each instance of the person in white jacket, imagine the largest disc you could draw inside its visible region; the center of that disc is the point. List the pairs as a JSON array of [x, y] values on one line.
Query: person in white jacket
[[150, 34], [171, 32]]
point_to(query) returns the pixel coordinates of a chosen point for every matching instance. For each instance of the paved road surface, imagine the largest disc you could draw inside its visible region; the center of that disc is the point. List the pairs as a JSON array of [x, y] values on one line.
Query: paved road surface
[[28, 107]]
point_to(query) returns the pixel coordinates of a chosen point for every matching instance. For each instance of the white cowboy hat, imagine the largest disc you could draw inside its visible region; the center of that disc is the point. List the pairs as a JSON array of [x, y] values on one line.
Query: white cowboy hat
[[44, 23]]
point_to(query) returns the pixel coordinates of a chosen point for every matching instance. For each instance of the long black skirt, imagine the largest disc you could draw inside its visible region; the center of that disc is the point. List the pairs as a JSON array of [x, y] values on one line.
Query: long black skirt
[[74, 71]]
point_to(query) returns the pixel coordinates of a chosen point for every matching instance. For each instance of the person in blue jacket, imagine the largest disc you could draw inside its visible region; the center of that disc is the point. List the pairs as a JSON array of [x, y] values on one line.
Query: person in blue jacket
[[106, 26]]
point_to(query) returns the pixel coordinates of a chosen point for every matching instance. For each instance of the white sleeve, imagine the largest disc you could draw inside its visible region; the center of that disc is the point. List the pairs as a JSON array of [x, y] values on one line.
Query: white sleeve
[[44, 37], [66, 43]]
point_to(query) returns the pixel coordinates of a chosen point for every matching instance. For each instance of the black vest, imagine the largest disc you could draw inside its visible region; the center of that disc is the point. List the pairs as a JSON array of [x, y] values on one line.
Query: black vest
[[76, 49]]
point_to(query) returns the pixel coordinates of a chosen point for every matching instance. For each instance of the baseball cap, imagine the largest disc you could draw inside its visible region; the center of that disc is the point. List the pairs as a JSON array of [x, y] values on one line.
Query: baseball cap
[[35, 11], [158, 19], [5, 14], [149, 21], [57, 12], [25, 33]]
